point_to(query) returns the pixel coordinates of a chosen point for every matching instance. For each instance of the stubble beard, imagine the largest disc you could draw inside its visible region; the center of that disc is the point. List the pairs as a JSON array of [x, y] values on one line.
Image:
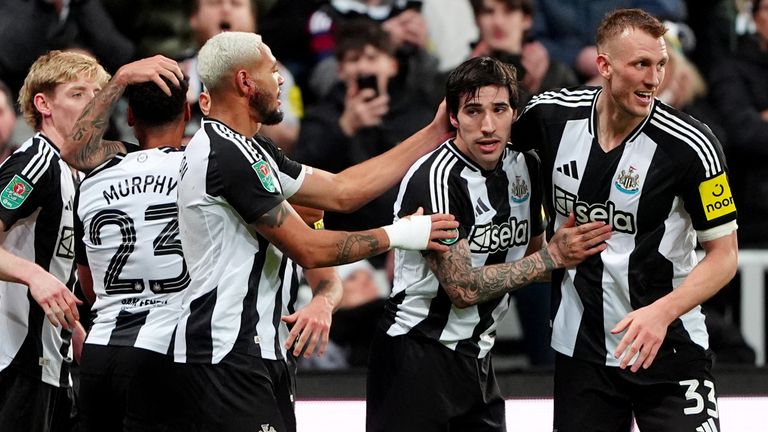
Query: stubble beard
[[260, 103]]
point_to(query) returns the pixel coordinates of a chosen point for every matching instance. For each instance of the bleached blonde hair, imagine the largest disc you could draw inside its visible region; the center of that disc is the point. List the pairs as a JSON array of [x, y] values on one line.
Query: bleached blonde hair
[[49, 71], [223, 53]]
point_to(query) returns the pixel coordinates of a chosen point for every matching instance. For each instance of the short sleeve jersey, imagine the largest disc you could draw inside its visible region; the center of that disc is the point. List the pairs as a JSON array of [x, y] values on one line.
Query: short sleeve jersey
[[234, 300], [498, 211], [36, 202], [127, 232], [661, 188]]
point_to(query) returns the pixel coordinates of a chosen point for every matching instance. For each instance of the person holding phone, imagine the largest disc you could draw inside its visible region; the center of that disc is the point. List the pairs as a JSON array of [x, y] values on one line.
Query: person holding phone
[[371, 109]]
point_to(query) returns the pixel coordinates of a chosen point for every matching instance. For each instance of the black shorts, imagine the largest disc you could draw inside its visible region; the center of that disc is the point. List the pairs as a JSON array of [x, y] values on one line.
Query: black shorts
[[29, 405], [123, 389], [677, 393], [420, 385], [241, 393]]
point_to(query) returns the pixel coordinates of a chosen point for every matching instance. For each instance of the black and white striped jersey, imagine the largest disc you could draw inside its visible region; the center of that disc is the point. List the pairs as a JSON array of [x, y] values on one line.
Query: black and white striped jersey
[[498, 211], [36, 203], [663, 187], [235, 299], [127, 232]]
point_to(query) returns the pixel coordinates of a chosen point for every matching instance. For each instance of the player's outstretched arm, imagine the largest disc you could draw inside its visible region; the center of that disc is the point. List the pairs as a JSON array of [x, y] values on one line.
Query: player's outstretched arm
[[311, 248], [646, 327], [355, 186], [85, 147], [312, 323], [467, 285], [58, 302]]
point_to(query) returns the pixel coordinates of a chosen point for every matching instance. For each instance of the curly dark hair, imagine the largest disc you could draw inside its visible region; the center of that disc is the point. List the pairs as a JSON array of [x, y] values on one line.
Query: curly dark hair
[[151, 107]]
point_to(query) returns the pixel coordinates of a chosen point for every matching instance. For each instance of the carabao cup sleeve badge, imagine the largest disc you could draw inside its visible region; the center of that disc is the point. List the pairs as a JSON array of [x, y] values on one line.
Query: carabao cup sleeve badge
[[265, 175], [15, 193]]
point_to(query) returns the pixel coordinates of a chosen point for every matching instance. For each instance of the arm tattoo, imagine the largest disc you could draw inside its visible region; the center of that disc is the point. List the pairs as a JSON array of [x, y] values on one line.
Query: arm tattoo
[[355, 246], [467, 285], [275, 217], [89, 129]]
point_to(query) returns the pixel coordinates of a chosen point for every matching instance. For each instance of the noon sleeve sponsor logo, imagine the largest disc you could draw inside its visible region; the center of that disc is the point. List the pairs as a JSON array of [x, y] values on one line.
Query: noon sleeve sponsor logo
[[716, 198], [265, 175], [15, 193]]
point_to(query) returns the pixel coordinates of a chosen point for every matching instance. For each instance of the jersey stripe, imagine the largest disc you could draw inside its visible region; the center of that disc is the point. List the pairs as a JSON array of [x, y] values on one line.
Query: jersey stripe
[[693, 138]]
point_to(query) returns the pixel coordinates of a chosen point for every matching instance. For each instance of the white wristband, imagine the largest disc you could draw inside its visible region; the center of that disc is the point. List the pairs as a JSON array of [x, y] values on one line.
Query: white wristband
[[410, 233]]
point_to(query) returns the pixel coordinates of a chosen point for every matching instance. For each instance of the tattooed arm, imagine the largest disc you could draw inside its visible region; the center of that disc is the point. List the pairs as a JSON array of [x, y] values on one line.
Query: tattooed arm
[[467, 285], [84, 148], [311, 248]]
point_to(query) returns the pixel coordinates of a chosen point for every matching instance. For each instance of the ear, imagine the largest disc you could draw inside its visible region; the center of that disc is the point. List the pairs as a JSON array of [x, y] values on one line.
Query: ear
[[243, 83], [42, 105], [454, 121], [131, 118], [527, 22], [187, 112], [603, 65]]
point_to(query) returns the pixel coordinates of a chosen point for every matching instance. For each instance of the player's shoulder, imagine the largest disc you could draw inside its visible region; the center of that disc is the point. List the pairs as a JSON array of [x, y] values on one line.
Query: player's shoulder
[[570, 98], [678, 133], [32, 159], [441, 162], [678, 124]]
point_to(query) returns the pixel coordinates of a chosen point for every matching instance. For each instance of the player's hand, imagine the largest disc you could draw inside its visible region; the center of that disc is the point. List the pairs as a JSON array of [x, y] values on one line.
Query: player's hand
[[444, 226], [311, 326], [645, 329], [573, 244], [78, 339], [443, 123], [151, 69], [58, 303]]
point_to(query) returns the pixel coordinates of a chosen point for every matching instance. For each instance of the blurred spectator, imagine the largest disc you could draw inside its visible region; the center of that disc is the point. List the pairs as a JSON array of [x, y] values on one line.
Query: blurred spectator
[[740, 92], [684, 88], [155, 27], [211, 17], [714, 24], [403, 21], [29, 28], [353, 124], [568, 27], [7, 122], [355, 321], [504, 34], [451, 30]]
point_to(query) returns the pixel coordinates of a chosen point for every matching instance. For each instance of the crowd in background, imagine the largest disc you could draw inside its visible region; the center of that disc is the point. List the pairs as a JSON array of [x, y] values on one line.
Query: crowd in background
[[363, 75]]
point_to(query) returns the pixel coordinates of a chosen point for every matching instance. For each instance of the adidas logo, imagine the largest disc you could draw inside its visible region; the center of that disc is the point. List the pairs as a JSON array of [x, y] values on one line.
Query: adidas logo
[[708, 426], [267, 428], [481, 207], [569, 169]]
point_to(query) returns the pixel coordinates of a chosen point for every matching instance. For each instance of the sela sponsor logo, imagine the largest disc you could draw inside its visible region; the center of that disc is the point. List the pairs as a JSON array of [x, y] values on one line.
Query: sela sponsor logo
[[716, 197], [519, 190], [490, 238], [566, 202], [628, 182]]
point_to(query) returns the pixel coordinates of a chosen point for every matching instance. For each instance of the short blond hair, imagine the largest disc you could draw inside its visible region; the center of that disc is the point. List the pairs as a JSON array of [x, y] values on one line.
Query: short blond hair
[[224, 52], [49, 71]]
